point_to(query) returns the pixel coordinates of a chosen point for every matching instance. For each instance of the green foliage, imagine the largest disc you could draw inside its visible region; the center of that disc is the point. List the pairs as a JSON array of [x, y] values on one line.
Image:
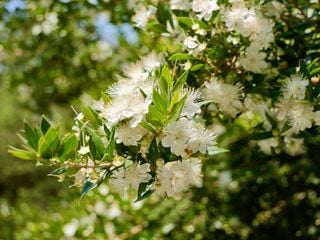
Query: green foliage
[[246, 193]]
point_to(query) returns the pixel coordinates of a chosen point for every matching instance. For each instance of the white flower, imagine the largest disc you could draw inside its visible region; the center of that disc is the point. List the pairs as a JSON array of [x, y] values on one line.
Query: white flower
[[191, 42], [191, 106], [129, 136], [301, 116], [249, 23], [135, 174], [295, 87], [151, 62], [294, 146], [118, 181], [177, 135], [283, 108], [226, 96], [175, 177], [136, 72], [204, 8], [253, 60], [266, 145], [225, 179], [201, 139], [126, 108], [84, 150], [179, 5], [275, 9], [142, 16], [317, 118]]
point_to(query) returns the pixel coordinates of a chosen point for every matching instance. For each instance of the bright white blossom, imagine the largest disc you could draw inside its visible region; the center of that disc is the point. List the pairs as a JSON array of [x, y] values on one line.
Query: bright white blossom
[[204, 8], [132, 176], [191, 43], [192, 105], [174, 178], [301, 116], [253, 60], [295, 87], [226, 96], [201, 139], [177, 135], [129, 136], [142, 16]]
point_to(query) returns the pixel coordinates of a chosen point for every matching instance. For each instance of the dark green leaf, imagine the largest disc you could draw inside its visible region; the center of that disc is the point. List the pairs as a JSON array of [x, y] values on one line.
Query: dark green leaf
[[154, 152], [70, 145], [190, 21], [88, 186], [97, 145], [108, 155], [45, 125], [49, 143], [31, 136]]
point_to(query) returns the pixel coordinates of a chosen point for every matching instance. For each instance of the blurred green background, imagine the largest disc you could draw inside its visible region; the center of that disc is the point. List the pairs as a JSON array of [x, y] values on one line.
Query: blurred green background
[[58, 54]]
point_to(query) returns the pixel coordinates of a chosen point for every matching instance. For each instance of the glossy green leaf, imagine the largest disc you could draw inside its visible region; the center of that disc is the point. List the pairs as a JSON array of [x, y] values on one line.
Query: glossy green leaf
[[32, 136], [87, 187], [44, 125], [96, 146], [70, 145], [49, 143]]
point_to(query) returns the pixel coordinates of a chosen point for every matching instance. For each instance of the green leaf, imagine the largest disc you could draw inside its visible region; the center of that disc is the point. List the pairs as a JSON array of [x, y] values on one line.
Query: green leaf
[[155, 114], [163, 14], [59, 171], [92, 116], [44, 125], [190, 21], [31, 136], [315, 71], [213, 150], [22, 154], [159, 102], [143, 192], [96, 146], [176, 110], [154, 152], [87, 186], [166, 80], [181, 81], [180, 57], [49, 143], [148, 126], [197, 67], [108, 155], [70, 145]]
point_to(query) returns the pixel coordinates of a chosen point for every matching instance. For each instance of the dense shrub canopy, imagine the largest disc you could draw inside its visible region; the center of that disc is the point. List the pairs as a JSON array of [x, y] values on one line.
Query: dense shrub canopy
[[208, 127]]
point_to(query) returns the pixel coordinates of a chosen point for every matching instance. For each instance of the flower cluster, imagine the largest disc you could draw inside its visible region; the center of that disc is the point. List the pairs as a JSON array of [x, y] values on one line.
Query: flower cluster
[[152, 128]]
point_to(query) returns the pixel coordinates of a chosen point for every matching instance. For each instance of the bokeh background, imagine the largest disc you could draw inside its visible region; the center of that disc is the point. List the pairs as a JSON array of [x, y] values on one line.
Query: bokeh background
[[58, 54]]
